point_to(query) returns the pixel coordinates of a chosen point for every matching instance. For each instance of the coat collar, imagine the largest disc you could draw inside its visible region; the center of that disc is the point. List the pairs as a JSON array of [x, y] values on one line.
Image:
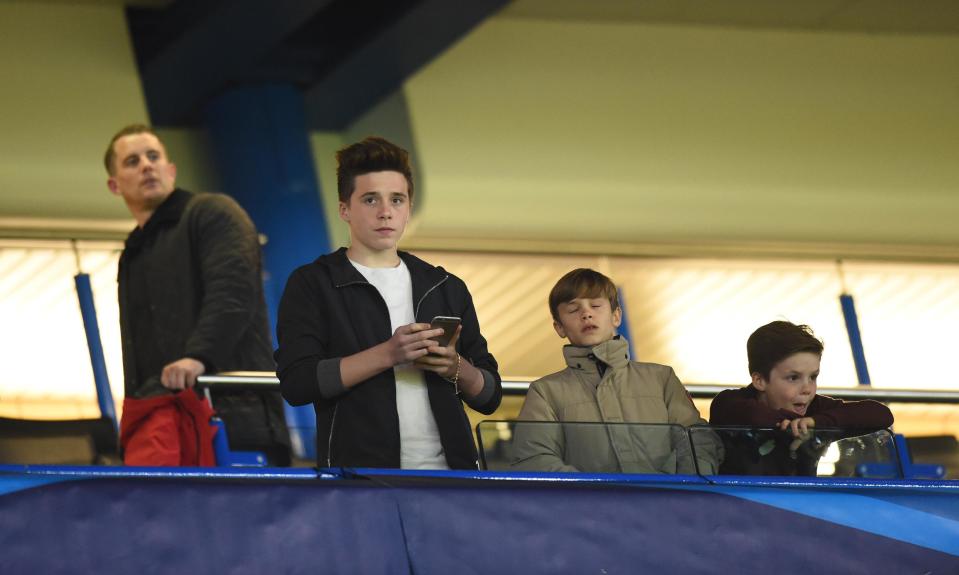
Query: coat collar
[[169, 211], [612, 353], [343, 273]]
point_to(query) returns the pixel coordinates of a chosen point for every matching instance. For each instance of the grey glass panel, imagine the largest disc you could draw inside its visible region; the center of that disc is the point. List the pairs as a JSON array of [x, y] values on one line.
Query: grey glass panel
[[820, 453], [593, 447]]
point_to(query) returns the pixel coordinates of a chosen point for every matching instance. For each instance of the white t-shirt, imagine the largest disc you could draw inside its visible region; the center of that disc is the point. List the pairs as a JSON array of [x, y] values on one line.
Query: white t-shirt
[[420, 446]]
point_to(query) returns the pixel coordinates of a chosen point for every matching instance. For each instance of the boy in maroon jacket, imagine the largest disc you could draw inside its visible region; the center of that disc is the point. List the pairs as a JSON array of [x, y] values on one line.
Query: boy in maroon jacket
[[784, 364]]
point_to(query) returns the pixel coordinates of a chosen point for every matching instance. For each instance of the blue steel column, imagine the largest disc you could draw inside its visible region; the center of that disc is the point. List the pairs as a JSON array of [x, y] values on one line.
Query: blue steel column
[[848, 306], [262, 150], [855, 338]]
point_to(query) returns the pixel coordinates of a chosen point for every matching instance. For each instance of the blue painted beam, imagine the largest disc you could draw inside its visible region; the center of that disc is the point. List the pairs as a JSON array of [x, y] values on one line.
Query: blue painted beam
[[203, 58], [379, 67], [348, 54]]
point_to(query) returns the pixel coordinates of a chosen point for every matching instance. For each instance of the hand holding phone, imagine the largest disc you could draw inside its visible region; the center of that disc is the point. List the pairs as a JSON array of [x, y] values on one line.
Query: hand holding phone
[[448, 325]]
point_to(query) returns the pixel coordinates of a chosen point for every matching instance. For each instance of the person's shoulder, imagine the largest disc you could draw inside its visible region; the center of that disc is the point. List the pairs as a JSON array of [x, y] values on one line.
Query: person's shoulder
[[211, 199], [320, 267], [652, 370], [739, 393], [419, 266], [820, 400], [552, 380], [336, 257], [213, 204], [312, 281], [415, 262]]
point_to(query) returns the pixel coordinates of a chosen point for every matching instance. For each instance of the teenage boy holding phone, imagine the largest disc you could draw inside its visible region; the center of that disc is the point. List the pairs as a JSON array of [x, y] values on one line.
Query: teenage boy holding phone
[[355, 338]]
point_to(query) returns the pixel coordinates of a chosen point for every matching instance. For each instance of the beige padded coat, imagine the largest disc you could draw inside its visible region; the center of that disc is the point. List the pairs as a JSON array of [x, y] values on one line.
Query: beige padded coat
[[600, 385]]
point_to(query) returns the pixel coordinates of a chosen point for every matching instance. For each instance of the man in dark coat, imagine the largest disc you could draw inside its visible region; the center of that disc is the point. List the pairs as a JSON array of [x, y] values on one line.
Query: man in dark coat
[[191, 302]]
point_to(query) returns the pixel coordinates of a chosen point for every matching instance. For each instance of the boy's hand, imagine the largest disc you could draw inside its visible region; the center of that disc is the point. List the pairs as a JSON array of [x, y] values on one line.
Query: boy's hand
[[800, 428], [441, 360], [411, 342]]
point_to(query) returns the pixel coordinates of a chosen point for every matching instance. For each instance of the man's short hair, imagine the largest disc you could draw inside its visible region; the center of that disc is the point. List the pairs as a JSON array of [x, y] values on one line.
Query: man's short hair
[[110, 157], [373, 154], [776, 341], [582, 283]]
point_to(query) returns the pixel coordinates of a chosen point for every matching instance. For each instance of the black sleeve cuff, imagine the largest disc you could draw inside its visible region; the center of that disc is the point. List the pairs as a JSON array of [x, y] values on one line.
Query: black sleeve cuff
[[486, 394], [328, 378]]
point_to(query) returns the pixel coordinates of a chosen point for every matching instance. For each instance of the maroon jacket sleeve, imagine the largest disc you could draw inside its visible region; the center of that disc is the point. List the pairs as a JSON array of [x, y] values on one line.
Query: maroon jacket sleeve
[[831, 412], [742, 407]]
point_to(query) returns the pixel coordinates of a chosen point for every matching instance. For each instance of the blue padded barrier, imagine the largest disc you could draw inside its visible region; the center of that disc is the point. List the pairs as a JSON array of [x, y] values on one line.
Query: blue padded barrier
[[125, 520]]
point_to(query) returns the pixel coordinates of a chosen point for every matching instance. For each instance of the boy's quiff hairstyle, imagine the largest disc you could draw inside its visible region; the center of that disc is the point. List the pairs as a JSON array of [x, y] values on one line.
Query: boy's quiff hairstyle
[[372, 154], [582, 282], [110, 157], [776, 341]]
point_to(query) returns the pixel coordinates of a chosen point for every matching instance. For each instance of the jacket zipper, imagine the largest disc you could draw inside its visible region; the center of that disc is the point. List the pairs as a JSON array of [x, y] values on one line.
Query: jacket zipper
[[329, 440], [416, 313]]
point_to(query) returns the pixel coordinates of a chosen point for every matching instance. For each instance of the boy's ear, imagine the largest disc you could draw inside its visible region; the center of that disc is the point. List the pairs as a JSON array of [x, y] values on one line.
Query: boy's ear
[[618, 317], [758, 382], [112, 186], [344, 212], [560, 330]]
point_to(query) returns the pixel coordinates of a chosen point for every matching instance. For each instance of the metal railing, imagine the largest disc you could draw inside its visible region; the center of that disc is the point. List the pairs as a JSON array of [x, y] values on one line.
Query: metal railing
[[698, 390]]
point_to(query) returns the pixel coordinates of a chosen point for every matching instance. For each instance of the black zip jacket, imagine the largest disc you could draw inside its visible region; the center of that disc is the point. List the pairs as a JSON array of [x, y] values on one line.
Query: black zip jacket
[[329, 311]]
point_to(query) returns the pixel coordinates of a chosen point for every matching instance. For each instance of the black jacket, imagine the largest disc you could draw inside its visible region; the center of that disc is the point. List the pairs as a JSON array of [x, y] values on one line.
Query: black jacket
[[190, 285], [329, 311]]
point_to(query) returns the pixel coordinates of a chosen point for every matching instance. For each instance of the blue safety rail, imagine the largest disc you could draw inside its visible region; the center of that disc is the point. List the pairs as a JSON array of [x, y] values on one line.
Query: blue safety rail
[[855, 338], [90, 326]]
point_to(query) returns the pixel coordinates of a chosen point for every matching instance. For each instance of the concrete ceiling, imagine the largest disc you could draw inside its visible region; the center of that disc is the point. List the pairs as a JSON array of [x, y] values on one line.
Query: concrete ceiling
[[148, 3], [345, 55]]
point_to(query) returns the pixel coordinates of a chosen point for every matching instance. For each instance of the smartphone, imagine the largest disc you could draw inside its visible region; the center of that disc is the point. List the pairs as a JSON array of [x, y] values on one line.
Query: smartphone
[[449, 325]]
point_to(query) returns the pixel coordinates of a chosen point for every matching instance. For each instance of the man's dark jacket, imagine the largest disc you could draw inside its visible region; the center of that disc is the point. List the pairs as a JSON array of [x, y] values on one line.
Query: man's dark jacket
[[190, 285], [329, 311]]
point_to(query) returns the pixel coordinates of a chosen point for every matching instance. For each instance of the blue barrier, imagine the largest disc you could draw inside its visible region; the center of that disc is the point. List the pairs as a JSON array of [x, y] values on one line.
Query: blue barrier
[[912, 470], [225, 457], [124, 520]]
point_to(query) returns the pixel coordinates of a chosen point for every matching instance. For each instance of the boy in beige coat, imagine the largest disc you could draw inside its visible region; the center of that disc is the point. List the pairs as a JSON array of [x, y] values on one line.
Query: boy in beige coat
[[603, 391]]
